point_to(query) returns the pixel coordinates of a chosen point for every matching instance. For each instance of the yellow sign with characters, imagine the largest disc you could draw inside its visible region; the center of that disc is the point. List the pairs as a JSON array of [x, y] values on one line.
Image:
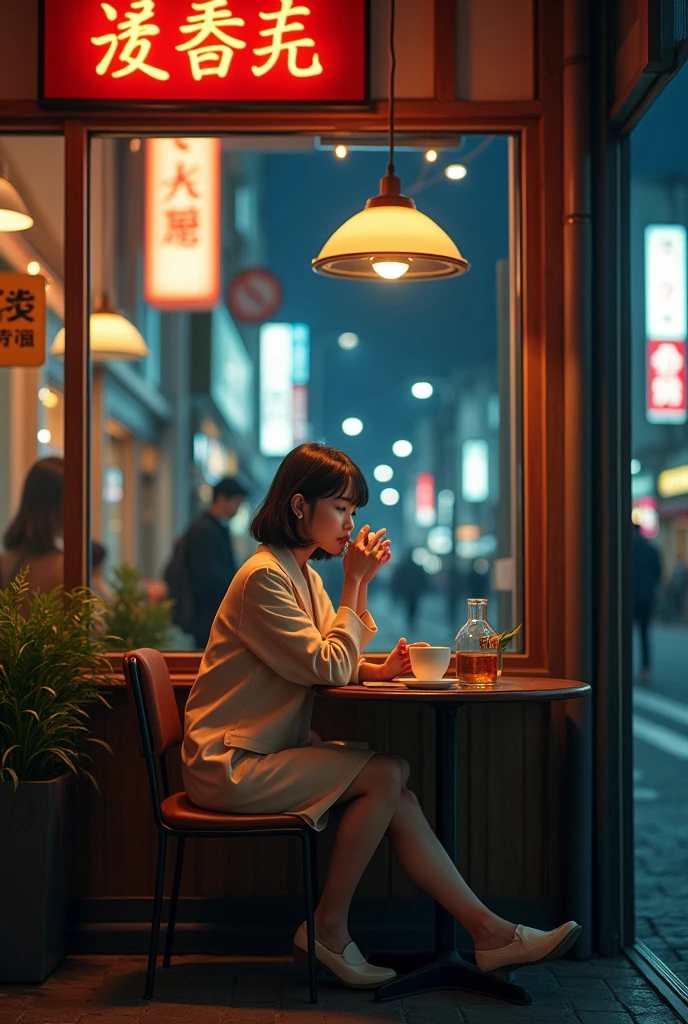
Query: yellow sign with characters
[[22, 320]]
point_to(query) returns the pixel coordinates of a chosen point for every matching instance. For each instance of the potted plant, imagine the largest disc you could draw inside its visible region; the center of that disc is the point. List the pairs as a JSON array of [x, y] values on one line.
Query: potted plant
[[52, 668], [131, 618]]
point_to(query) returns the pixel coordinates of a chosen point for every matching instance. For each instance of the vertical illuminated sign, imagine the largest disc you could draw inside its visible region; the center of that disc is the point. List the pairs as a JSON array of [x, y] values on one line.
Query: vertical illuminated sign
[[276, 401], [182, 223], [301, 377], [475, 480], [425, 500], [284, 377], [665, 323]]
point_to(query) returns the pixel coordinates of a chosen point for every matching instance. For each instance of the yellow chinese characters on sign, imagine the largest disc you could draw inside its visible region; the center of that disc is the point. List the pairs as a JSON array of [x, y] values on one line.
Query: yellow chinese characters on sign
[[22, 320], [182, 223]]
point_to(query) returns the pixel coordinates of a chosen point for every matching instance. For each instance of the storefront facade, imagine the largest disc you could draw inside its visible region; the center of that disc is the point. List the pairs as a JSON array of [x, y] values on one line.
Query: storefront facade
[[520, 69]]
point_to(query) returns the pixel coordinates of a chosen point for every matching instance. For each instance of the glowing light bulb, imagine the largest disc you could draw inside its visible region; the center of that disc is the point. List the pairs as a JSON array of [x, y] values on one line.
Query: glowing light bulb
[[341, 152], [431, 155], [390, 270], [422, 389], [33, 267], [44, 436], [455, 172]]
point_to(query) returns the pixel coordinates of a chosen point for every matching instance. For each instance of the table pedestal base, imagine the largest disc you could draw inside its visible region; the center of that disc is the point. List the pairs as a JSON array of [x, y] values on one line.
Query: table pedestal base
[[453, 970]]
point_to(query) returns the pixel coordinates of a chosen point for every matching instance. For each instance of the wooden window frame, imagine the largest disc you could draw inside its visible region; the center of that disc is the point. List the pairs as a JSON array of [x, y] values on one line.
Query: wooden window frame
[[541, 484]]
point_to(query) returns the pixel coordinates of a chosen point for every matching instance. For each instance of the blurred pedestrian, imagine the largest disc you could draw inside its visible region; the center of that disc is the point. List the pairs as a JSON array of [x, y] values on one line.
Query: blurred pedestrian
[[647, 572], [408, 584], [34, 537], [203, 563], [99, 584]]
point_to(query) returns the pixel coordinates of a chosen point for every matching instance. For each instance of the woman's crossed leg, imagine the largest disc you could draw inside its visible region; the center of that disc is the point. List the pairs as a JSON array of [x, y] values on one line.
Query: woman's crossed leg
[[378, 803]]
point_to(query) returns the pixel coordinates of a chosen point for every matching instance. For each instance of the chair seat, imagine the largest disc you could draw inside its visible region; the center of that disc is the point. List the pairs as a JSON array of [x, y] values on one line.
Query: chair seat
[[178, 812]]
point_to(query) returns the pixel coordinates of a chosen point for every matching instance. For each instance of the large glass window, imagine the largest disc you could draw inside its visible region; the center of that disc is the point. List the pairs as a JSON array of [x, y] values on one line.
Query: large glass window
[[659, 479], [232, 351], [31, 386]]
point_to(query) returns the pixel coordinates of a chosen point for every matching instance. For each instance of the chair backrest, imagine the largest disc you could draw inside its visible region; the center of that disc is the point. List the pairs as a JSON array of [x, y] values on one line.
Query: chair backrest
[[150, 689], [146, 669]]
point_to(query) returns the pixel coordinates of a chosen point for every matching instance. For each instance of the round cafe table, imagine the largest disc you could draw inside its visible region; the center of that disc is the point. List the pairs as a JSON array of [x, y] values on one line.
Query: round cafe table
[[449, 968]]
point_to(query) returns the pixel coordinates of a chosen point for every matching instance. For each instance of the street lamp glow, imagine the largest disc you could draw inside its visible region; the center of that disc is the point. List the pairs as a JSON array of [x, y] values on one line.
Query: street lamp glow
[[341, 152], [402, 448], [383, 473], [422, 389], [348, 340], [352, 426], [389, 496], [431, 155], [455, 172]]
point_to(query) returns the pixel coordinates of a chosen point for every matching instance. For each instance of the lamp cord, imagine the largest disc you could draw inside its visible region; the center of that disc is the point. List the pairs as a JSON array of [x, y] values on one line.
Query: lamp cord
[[392, 72]]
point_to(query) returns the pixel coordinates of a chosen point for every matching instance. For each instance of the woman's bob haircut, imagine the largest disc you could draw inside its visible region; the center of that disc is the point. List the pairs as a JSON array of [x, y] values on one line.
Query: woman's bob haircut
[[315, 471]]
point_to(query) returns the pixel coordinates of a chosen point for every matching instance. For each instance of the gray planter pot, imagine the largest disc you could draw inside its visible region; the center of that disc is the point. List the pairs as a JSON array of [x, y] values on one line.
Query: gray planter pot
[[35, 856]]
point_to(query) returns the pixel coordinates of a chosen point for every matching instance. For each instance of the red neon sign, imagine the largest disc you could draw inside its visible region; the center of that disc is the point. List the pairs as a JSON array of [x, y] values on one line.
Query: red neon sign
[[666, 382], [223, 51]]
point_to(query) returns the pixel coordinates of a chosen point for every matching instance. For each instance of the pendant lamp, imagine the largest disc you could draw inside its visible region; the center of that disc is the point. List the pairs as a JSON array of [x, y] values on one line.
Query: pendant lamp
[[111, 335], [13, 213], [390, 238]]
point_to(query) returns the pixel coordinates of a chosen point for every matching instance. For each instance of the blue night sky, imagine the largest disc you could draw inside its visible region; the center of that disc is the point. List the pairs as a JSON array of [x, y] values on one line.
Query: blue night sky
[[408, 331], [659, 143]]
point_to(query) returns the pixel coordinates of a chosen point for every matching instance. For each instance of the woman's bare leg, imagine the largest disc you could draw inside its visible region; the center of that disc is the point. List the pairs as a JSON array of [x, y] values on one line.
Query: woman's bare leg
[[372, 798], [428, 864]]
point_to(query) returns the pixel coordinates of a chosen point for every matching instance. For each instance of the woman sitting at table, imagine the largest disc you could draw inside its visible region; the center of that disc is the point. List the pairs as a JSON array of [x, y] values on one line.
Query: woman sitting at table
[[248, 747]]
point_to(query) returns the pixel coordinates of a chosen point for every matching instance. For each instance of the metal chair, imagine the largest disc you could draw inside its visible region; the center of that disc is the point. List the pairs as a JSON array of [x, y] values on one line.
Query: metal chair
[[150, 686]]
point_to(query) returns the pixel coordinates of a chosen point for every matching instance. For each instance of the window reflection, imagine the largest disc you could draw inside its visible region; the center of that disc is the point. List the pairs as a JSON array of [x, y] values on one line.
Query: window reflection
[[31, 397]]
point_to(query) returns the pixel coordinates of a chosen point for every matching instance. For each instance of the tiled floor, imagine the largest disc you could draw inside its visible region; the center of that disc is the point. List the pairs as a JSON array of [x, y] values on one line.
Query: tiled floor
[[232, 990]]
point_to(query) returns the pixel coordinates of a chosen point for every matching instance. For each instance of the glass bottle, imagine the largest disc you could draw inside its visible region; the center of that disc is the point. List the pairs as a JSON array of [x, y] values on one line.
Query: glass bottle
[[478, 658]]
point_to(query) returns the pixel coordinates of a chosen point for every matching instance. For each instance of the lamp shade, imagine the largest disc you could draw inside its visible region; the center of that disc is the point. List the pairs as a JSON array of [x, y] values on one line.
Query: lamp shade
[[13, 213], [393, 235], [112, 336]]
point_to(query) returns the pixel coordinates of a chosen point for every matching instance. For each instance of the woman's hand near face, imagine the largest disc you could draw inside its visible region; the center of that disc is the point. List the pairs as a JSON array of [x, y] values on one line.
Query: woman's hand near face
[[366, 554]]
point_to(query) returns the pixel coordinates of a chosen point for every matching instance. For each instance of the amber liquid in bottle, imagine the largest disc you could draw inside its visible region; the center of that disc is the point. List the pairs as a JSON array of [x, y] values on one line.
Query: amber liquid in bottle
[[478, 668]]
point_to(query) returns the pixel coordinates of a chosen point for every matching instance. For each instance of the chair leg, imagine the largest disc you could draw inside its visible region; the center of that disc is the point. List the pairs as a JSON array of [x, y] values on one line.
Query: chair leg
[[157, 912], [309, 889], [172, 916]]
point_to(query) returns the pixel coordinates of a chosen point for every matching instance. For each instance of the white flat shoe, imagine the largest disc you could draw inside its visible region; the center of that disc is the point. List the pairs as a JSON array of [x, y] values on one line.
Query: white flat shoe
[[349, 967], [529, 946]]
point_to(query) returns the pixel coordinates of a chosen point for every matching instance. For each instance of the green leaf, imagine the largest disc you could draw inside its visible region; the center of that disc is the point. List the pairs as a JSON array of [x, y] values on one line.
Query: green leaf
[[12, 775], [6, 754], [504, 638], [53, 667]]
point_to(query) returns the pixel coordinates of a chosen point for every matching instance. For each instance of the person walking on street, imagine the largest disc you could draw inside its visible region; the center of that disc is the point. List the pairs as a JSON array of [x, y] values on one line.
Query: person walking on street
[[203, 563], [647, 572], [408, 585]]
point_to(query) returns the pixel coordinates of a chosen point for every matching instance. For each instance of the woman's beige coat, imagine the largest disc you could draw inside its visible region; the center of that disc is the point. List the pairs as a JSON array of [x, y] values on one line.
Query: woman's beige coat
[[247, 740]]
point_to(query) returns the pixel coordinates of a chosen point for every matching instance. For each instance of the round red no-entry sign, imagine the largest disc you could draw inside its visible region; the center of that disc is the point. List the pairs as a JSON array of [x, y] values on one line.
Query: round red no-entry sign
[[254, 295]]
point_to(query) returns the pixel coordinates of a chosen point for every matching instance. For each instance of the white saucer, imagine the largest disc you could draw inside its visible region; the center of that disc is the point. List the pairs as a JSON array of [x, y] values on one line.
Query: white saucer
[[426, 684]]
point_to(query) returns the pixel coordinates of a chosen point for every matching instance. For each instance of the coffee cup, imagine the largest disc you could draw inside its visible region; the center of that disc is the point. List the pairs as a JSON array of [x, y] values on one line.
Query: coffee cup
[[429, 662]]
